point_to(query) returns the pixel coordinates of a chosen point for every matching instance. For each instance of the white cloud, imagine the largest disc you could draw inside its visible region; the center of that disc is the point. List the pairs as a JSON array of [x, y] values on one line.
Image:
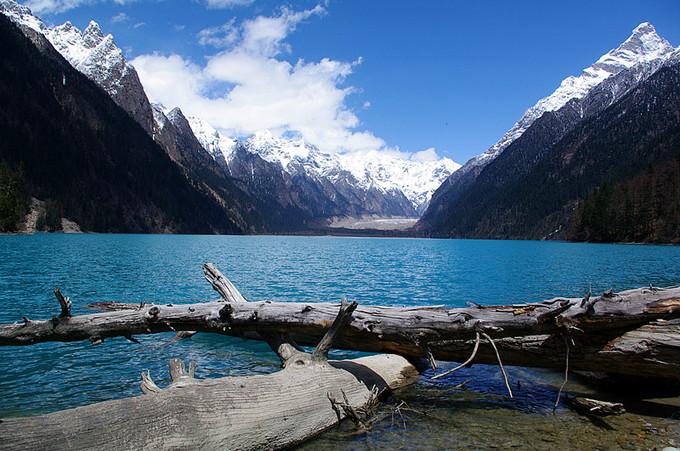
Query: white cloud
[[222, 4], [425, 156], [59, 6], [220, 37], [246, 88], [120, 18]]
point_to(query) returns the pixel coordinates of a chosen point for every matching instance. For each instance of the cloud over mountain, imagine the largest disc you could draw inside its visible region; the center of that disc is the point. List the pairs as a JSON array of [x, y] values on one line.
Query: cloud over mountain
[[249, 85]]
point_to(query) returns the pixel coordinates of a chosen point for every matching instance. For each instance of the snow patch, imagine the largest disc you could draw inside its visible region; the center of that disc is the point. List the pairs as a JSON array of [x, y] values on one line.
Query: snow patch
[[643, 47]]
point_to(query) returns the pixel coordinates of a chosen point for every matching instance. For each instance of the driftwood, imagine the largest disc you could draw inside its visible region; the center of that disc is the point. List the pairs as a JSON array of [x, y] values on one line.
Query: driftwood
[[595, 407], [623, 333], [253, 412], [620, 333]]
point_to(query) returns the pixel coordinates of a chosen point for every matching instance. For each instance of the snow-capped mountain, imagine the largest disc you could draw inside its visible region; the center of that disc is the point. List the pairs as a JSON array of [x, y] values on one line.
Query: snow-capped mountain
[[524, 148], [577, 98], [644, 48], [218, 146], [382, 171], [373, 183], [418, 180], [22, 16], [94, 55]]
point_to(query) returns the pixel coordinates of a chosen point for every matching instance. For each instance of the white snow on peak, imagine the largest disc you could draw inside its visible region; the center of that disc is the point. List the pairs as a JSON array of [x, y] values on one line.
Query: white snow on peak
[[96, 55], [388, 172], [90, 52], [159, 116], [212, 141], [417, 178], [22, 15], [643, 47], [286, 151], [392, 171]]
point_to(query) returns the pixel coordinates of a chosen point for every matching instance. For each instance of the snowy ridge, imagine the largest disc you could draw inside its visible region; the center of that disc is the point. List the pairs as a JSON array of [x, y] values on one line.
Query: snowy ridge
[[91, 53], [387, 172], [159, 117], [418, 180], [22, 16], [96, 56], [644, 47], [375, 169], [212, 140]]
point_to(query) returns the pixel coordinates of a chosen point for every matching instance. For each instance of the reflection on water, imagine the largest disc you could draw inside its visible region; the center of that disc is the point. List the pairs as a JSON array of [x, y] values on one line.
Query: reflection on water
[[469, 408]]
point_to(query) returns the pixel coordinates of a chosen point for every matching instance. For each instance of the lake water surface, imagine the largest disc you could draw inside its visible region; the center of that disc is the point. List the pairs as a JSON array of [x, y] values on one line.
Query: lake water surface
[[437, 414]]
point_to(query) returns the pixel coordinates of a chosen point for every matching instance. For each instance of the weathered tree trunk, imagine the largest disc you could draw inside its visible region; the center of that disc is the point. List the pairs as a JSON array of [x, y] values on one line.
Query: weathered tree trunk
[[254, 412], [251, 412], [604, 333], [624, 333]]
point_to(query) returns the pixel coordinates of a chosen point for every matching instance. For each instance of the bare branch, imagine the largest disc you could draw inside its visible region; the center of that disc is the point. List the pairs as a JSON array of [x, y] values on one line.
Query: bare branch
[[222, 285], [64, 303], [467, 362], [500, 363], [321, 351]]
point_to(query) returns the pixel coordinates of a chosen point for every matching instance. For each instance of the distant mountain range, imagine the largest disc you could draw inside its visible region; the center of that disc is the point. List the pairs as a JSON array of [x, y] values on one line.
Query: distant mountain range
[[293, 185], [586, 163], [594, 127], [84, 157]]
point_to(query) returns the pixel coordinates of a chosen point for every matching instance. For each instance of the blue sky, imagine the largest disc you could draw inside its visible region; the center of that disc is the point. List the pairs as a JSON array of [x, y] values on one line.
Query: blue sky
[[352, 75]]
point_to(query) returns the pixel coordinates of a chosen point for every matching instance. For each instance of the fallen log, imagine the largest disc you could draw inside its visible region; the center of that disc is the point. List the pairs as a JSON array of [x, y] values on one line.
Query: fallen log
[[610, 333], [623, 333], [272, 411], [251, 412]]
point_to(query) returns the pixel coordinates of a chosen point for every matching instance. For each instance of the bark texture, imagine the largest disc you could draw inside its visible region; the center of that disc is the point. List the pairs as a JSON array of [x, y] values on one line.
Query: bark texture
[[617, 333], [251, 412]]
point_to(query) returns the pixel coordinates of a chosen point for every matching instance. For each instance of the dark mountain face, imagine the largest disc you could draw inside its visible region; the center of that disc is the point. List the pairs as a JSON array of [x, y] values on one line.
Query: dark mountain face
[[545, 131], [82, 152], [644, 209], [532, 189], [180, 143]]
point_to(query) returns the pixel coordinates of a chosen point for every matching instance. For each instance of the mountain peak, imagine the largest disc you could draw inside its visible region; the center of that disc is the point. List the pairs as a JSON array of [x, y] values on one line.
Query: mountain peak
[[643, 28], [92, 36], [643, 45], [22, 15], [176, 116]]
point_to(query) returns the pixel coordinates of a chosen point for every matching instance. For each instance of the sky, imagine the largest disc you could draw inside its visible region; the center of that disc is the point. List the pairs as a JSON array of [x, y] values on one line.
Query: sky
[[425, 79]]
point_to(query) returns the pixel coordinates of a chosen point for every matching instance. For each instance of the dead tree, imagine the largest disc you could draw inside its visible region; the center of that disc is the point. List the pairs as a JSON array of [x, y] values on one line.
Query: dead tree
[[252, 412], [621, 333], [624, 333]]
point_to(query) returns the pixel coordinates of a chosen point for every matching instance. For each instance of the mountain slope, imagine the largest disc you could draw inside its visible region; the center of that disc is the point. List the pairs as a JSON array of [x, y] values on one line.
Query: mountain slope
[[97, 57], [85, 155], [644, 209], [326, 185], [532, 189], [576, 99], [317, 187]]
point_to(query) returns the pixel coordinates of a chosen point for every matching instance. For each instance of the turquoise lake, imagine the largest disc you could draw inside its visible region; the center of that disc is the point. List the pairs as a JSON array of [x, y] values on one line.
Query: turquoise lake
[[469, 408]]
